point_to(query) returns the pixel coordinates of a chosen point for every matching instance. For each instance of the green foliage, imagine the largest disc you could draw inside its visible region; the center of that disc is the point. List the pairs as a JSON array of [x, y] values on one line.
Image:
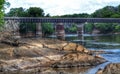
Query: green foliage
[[2, 2], [27, 27], [21, 12], [84, 15], [48, 15], [35, 12], [47, 29], [16, 12], [104, 12], [73, 29], [115, 15], [117, 28], [89, 27], [104, 27], [3, 5]]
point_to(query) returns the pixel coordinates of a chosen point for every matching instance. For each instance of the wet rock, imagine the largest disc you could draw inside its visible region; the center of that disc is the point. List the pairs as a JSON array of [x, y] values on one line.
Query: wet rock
[[70, 47], [80, 48], [78, 59], [99, 71], [36, 45], [34, 52], [112, 68], [57, 46]]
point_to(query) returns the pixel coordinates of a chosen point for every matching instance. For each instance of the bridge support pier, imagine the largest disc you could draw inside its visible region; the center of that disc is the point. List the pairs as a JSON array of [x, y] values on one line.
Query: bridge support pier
[[80, 31], [38, 30], [60, 32]]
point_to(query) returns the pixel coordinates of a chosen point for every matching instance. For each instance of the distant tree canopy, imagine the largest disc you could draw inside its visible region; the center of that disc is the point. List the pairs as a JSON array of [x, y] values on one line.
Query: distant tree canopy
[[16, 12], [35, 12], [107, 12], [83, 15]]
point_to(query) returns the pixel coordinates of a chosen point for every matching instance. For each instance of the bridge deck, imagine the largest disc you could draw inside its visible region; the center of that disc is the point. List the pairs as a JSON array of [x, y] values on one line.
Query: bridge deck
[[64, 20]]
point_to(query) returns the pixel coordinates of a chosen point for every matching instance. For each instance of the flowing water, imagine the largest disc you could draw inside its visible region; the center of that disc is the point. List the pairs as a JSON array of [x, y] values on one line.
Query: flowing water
[[109, 43]]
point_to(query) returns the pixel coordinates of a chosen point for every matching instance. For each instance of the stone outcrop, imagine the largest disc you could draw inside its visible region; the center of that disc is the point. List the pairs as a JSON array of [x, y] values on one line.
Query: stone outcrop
[[78, 60], [112, 68], [37, 52]]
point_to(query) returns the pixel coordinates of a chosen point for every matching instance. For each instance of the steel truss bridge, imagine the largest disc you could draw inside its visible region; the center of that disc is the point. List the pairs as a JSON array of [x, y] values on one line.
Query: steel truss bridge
[[63, 20]]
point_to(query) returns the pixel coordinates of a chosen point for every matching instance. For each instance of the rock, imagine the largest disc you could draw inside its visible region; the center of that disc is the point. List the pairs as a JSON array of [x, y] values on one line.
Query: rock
[[78, 59], [37, 45], [57, 46], [70, 47], [99, 71], [80, 48], [112, 68], [33, 53]]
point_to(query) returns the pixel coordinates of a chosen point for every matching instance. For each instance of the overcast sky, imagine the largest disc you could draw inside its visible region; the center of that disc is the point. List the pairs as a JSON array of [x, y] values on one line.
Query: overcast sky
[[61, 7]]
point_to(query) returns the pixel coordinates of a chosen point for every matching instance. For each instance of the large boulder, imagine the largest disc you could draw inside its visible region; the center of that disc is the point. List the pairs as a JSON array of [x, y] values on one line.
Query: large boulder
[[112, 68]]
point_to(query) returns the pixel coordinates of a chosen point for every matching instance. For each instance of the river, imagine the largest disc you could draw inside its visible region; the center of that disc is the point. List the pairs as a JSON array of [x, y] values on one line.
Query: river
[[105, 42]]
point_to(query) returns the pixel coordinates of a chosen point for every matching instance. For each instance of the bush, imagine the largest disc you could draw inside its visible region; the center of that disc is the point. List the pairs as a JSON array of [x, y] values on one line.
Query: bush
[[47, 29]]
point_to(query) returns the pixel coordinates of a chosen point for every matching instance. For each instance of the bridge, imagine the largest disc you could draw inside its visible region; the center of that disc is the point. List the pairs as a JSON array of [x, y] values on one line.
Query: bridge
[[63, 20], [14, 21]]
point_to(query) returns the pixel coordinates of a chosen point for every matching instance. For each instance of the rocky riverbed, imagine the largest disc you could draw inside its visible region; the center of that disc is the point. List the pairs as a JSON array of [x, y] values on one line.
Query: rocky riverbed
[[38, 53]]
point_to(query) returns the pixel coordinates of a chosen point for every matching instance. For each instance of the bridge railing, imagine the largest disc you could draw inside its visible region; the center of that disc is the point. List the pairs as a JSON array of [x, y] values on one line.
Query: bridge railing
[[64, 20]]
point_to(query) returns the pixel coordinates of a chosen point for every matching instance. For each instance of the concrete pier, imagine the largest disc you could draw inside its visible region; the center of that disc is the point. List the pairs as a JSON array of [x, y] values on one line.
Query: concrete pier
[[80, 32], [38, 30], [60, 32]]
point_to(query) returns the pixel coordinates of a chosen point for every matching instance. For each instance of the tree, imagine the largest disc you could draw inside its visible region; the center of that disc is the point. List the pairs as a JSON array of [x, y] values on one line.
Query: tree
[[88, 27], [105, 27], [73, 28], [117, 15], [104, 12], [3, 5], [35, 12], [117, 28], [16, 12], [2, 2], [47, 29], [48, 15], [82, 15]]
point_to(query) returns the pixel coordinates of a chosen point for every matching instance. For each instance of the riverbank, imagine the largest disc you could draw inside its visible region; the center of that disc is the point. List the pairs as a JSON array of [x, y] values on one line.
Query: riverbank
[[31, 53]]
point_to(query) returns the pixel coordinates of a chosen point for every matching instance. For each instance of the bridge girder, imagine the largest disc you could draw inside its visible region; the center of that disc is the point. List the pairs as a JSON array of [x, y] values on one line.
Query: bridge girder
[[63, 20]]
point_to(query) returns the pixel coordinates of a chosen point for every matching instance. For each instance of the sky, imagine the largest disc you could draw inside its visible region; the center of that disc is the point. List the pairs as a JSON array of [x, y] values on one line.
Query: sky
[[62, 7]]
